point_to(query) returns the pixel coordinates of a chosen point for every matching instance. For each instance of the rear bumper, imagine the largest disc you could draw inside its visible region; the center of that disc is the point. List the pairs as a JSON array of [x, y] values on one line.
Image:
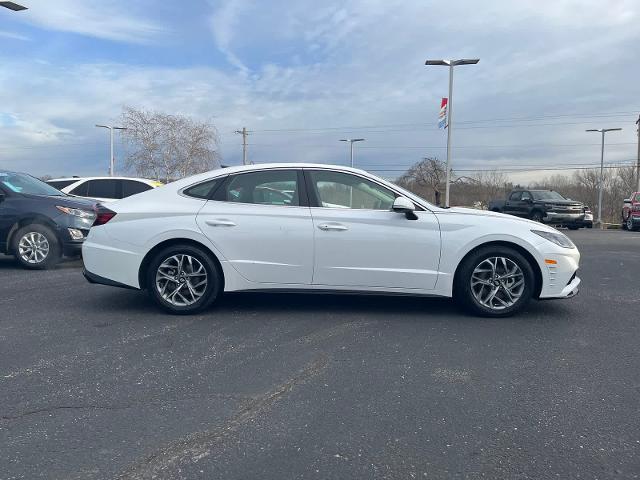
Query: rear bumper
[[97, 279]]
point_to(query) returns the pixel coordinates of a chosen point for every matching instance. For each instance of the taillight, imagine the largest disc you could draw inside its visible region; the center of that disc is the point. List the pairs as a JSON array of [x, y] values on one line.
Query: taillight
[[103, 215]]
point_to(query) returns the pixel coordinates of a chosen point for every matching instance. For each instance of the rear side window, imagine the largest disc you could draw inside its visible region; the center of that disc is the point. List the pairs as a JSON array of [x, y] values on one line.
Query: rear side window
[[131, 187], [268, 187], [103, 188], [203, 190], [60, 184]]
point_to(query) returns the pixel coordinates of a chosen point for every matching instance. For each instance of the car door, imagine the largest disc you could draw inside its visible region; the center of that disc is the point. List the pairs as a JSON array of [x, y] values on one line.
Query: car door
[[260, 222], [9, 212], [512, 204], [360, 242], [525, 204]]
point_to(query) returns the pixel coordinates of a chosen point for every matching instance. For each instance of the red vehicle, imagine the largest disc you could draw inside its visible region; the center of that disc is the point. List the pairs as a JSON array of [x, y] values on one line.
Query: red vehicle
[[631, 212]]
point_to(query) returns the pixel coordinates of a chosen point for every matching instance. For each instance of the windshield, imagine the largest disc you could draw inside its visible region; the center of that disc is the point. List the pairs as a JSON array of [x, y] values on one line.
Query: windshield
[[21, 183], [546, 195]]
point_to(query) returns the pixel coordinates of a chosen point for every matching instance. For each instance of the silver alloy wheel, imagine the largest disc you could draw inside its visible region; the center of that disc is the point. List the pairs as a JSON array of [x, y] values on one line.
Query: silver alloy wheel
[[181, 280], [630, 223], [33, 248], [497, 283]]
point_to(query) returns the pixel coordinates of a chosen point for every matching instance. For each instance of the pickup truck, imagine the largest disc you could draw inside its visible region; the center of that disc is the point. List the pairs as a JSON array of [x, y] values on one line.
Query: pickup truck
[[546, 206], [631, 212]]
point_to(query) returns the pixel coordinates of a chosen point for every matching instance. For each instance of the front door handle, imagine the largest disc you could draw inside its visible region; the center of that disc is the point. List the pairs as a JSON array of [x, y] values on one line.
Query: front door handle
[[335, 227], [220, 222]]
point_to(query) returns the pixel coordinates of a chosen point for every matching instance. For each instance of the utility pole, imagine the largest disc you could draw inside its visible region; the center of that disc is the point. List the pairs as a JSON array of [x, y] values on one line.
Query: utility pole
[[601, 182], [111, 158], [638, 163], [244, 132]]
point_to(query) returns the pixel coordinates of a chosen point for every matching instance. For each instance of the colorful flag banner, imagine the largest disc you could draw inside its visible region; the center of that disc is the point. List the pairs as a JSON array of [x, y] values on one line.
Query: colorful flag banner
[[442, 117]]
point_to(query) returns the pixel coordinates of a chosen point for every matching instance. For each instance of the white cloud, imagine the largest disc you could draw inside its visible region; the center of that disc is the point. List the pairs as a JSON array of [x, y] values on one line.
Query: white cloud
[[119, 21], [13, 36]]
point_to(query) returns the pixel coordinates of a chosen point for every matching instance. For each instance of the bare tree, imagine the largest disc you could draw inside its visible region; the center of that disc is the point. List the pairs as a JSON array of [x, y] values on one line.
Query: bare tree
[[167, 147], [426, 177]]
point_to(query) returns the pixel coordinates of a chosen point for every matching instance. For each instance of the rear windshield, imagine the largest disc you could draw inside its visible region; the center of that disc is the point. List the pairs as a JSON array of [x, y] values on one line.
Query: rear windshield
[[21, 183], [60, 184]]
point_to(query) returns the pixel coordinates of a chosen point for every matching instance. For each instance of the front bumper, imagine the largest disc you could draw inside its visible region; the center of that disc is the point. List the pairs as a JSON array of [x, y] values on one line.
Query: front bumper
[[559, 273], [555, 217]]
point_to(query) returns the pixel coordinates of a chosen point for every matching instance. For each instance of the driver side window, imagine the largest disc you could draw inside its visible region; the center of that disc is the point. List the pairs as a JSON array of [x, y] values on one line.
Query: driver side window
[[343, 190], [526, 196]]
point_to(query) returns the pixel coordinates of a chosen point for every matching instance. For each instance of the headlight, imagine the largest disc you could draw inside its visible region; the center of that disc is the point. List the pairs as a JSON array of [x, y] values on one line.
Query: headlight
[[77, 212], [555, 237]]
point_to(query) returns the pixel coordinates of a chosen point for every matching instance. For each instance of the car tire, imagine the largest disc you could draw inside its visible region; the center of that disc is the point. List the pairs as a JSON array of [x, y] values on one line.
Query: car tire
[[473, 285], [624, 223], [537, 216], [36, 247], [174, 279], [629, 224], [573, 227]]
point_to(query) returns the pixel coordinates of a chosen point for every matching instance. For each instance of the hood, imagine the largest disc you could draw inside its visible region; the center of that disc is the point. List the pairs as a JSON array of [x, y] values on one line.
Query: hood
[[564, 203], [493, 215], [64, 201]]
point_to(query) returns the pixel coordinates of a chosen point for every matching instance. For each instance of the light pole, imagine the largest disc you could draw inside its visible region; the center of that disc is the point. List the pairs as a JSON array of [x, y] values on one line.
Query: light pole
[[351, 142], [111, 159], [13, 6], [450, 64], [601, 182]]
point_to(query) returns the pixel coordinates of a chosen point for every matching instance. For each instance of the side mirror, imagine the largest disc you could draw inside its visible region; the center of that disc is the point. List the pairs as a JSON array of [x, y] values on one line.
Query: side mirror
[[527, 200], [406, 206]]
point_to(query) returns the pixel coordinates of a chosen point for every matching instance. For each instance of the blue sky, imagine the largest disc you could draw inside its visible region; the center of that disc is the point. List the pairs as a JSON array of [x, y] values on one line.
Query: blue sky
[[303, 74]]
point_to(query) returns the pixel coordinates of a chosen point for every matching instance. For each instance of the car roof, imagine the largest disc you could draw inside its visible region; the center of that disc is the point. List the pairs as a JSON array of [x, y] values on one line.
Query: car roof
[[77, 179]]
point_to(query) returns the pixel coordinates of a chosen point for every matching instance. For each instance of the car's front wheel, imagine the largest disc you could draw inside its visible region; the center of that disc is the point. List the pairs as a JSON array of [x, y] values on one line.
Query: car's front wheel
[[183, 279], [494, 282], [36, 247]]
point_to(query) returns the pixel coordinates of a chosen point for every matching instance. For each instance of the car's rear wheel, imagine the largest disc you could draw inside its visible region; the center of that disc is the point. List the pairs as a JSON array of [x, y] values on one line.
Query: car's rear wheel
[[36, 247], [183, 279], [494, 282], [573, 227]]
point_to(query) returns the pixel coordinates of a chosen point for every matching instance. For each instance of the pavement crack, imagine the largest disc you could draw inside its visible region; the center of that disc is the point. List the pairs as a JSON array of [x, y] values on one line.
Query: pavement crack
[[121, 406], [199, 444]]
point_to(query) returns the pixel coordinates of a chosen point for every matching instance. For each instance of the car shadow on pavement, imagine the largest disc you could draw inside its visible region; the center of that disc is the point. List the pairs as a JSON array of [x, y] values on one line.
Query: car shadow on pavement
[[230, 305], [9, 263]]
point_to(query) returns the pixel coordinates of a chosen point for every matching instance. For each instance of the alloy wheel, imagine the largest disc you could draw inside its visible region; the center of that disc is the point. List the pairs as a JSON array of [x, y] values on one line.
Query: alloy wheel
[[629, 223], [497, 283], [33, 248], [181, 280]]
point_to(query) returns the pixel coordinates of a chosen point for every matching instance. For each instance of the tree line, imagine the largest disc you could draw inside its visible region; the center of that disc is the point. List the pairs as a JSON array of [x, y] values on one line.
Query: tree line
[[427, 179]]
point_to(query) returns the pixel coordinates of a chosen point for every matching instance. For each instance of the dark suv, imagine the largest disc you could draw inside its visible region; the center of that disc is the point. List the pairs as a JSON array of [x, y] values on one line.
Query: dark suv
[[39, 224]]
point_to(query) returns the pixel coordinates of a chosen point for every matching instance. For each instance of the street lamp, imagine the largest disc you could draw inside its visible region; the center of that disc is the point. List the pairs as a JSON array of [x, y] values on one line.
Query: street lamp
[[351, 142], [111, 160], [13, 6], [450, 64], [601, 183]]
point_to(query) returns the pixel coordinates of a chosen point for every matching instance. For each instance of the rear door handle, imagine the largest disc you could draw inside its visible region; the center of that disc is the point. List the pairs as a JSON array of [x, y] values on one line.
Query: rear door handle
[[335, 227], [220, 222]]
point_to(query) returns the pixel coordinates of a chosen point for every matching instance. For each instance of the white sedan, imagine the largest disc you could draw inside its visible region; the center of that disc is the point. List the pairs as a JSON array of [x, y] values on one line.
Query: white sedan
[[301, 227]]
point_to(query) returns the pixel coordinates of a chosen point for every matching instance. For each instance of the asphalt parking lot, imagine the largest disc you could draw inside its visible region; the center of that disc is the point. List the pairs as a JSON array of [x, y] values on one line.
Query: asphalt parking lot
[[97, 383]]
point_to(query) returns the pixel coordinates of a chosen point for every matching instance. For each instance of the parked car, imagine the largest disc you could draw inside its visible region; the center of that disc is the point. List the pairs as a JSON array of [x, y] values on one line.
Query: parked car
[[545, 206], [631, 212], [39, 224], [588, 218], [336, 229], [103, 189]]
